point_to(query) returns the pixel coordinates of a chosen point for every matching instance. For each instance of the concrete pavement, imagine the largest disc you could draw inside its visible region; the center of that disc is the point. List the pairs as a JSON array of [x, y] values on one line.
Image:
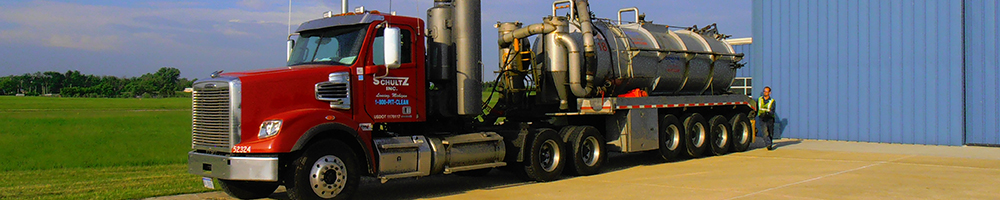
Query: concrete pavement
[[796, 170]]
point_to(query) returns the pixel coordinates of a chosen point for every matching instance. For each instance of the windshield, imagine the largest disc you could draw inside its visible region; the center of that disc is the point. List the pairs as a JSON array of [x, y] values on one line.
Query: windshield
[[338, 45]]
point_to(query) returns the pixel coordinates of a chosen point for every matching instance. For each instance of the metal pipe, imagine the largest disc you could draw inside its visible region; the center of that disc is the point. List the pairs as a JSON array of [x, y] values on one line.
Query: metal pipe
[[469, 76], [575, 69], [583, 10], [343, 6], [540, 28]]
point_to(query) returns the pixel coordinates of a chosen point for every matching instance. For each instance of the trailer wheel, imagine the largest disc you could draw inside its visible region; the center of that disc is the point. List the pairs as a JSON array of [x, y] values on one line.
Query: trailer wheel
[[327, 170], [671, 134], [248, 189], [544, 161], [741, 135], [587, 148], [696, 134], [720, 134]]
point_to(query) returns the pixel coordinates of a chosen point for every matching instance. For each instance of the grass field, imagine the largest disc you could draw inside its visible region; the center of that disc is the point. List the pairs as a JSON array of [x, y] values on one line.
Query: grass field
[[89, 148]]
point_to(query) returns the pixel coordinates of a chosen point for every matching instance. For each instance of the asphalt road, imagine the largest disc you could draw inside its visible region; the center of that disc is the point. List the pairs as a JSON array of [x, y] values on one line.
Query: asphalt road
[[797, 170]]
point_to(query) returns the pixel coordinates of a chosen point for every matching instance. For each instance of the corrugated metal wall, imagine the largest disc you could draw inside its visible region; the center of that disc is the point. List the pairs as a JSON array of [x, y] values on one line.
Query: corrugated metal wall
[[747, 59], [981, 72], [866, 70]]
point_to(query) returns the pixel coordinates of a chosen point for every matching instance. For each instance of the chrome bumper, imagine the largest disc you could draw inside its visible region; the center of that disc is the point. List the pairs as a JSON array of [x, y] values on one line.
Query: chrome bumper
[[233, 168]]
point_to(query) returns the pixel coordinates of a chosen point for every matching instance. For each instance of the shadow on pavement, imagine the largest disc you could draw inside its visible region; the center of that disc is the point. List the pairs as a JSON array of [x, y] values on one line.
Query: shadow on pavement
[[446, 185], [760, 143]]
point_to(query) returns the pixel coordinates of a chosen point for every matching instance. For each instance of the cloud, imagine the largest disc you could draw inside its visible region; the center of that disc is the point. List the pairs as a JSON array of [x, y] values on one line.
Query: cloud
[[139, 38], [106, 28], [84, 42]]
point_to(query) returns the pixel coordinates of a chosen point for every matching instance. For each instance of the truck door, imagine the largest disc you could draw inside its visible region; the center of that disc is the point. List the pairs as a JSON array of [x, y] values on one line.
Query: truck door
[[391, 95]]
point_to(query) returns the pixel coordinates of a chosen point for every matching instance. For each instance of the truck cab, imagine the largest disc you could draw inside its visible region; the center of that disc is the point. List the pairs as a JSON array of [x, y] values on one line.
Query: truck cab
[[246, 125]]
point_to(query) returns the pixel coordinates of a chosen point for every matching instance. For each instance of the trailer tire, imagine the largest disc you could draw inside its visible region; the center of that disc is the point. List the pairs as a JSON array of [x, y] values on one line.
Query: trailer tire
[[248, 189], [544, 161], [671, 137], [327, 170], [742, 134], [587, 148], [696, 134], [720, 130]]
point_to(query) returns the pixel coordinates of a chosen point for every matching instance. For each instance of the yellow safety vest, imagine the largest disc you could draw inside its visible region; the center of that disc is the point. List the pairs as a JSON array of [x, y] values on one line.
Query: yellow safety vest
[[763, 107]]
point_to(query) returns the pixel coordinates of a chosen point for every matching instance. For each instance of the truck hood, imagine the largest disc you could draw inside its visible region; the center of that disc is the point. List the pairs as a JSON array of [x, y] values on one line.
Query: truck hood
[[267, 93], [259, 72]]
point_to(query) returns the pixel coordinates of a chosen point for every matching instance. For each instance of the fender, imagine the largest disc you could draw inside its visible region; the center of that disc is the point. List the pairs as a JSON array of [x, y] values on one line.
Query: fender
[[299, 127], [339, 127]]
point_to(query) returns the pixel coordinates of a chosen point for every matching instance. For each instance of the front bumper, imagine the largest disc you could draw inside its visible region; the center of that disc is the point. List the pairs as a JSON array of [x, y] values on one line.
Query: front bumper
[[233, 168]]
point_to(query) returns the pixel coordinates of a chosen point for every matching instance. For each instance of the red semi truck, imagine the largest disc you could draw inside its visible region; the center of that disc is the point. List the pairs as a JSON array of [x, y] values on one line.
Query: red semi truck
[[373, 94]]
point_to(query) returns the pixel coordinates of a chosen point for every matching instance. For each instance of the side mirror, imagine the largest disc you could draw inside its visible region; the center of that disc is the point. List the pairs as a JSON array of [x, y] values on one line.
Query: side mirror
[[392, 46], [291, 44]]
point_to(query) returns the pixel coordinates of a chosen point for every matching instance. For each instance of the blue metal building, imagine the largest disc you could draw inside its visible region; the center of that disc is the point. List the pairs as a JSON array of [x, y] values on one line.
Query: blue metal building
[[892, 71]]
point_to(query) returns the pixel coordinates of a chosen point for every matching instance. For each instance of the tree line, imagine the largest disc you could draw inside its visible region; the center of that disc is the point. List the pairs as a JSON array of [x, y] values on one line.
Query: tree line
[[165, 82]]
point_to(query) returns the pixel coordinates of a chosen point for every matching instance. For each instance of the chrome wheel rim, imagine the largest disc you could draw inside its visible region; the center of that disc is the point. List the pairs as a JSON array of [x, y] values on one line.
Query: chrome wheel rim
[[721, 135], [592, 151], [698, 133], [672, 141], [549, 155], [328, 176], [744, 130]]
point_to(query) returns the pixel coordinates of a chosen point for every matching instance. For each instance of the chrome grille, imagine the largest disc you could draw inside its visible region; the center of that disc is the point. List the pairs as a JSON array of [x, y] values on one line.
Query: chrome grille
[[212, 116]]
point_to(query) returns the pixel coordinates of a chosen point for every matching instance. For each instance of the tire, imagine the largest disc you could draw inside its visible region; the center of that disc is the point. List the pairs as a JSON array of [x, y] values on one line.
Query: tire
[[720, 132], [742, 134], [696, 134], [544, 161], [248, 189], [327, 170], [671, 134], [586, 145]]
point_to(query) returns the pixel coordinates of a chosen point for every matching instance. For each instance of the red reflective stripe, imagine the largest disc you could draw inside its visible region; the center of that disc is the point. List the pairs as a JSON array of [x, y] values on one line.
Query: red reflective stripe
[[678, 105]]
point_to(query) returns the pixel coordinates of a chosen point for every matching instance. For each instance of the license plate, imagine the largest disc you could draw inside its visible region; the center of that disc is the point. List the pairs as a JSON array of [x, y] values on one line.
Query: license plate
[[208, 182]]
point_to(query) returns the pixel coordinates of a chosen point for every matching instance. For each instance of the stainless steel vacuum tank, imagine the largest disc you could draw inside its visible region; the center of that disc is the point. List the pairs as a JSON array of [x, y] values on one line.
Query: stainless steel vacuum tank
[[646, 56]]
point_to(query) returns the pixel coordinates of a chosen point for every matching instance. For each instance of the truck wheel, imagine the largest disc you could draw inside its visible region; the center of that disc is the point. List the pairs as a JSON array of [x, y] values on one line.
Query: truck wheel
[[327, 170], [720, 135], [671, 134], [544, 161], [696, 134], [741, 135], [248, 189], [587, 148]]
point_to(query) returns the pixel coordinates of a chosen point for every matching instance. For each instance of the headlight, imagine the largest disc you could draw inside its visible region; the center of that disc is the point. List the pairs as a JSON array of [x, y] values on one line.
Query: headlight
[[269, 128]]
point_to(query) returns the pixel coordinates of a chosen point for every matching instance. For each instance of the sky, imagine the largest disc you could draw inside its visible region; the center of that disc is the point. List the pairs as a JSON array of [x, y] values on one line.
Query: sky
[[131, 38]]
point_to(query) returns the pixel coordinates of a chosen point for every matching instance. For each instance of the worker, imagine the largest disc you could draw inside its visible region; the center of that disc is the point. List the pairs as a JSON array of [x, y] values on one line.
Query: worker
[[765, 110]]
